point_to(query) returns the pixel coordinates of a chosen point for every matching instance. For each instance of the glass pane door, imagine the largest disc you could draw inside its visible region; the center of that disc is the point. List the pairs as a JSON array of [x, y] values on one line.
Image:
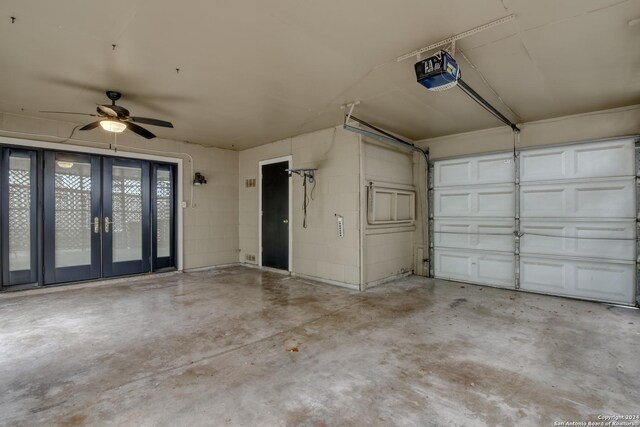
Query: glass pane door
[[162, 207], [126, 242], [19, 216], [71, 217]]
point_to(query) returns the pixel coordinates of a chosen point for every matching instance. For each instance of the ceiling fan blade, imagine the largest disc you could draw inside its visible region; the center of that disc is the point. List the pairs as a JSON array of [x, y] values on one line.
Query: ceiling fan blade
[[91, 125], [107, 110], [69, 112], [153, 122], [140, 130]]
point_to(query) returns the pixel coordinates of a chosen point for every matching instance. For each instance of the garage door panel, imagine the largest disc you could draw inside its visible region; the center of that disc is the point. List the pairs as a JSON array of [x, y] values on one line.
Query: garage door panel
[[596, 199], [590, 239], [577, 210], [487, 201], [492, 235], [589, 160], [549, 164], [475, 267], [601, 281], [491, 169]]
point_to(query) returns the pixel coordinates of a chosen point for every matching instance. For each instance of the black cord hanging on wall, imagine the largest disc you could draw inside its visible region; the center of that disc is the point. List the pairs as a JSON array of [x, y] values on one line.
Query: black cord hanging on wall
[[310, 176]]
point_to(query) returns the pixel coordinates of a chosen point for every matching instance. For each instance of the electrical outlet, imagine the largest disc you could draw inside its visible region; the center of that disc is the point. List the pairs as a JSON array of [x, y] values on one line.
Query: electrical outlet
[[183, 204]]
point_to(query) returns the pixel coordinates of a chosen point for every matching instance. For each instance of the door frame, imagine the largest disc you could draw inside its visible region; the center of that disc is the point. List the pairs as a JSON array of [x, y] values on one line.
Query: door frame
[[160, 263], [261, 163], [82, 149], [92, 271], [30, 275], [112, 268]]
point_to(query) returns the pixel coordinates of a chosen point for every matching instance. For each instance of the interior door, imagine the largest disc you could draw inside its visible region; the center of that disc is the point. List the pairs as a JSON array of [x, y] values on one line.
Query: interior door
[[126, 242], [71, 217], [275, 215], [163, 212], [19, 217]]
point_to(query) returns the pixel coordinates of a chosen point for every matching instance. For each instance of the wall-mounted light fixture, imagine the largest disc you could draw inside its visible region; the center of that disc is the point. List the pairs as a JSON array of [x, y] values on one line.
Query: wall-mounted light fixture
[[199, 179]]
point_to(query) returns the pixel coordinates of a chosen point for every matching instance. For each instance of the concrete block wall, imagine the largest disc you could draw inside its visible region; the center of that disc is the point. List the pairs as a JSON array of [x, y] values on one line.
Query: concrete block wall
[[317, 250], [388, 249]]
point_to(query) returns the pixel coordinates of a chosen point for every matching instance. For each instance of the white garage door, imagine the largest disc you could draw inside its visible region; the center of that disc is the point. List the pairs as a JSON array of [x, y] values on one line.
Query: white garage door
[[577, 210], [473, 210]]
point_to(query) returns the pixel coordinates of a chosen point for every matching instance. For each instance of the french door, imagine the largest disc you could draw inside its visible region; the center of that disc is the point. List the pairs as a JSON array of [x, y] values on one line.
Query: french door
[[72, 217], [67, 217], [126, 243], [163, 215]]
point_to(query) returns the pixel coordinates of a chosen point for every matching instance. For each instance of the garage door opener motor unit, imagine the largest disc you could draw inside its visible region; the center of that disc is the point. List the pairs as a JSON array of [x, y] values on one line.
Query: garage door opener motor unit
[[441, 72], [438, 72]]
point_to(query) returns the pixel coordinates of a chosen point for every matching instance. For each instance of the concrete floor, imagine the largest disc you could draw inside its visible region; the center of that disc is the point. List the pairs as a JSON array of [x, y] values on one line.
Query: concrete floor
[[241, 347]]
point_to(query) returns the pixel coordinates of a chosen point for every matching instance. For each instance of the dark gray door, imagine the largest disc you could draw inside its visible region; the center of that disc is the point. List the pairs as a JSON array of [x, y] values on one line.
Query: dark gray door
[[71, 217], [19, 216], [126, 243], [275, 215]]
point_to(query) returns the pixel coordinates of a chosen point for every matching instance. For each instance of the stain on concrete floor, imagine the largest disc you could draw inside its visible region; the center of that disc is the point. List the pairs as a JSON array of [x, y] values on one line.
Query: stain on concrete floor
[[215, 348]]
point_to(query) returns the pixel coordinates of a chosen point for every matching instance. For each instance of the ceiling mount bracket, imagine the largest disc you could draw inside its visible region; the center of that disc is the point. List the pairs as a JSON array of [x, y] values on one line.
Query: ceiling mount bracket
[[350, 106], [462, 35]]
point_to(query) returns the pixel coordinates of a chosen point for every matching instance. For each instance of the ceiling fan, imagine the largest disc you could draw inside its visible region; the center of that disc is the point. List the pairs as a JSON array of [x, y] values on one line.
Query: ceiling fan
[[115, 118]]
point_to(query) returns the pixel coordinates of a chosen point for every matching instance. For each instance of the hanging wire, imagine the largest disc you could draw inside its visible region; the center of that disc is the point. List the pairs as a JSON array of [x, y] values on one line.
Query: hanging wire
[[73, 131]]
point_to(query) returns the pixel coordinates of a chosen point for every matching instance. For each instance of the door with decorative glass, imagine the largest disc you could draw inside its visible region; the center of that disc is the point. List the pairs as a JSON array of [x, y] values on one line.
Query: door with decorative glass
[[163, 215], [19, 217], [72, 218], [67, 217], [126, 237]]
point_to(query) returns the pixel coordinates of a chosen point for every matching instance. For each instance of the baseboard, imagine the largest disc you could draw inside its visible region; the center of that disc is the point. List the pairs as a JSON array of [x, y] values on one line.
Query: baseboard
[[387, 279], [327, 281], [212, 267]]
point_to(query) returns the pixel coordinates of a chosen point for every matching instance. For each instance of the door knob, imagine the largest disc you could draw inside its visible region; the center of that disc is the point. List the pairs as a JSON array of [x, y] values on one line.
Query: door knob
[[286, 221]]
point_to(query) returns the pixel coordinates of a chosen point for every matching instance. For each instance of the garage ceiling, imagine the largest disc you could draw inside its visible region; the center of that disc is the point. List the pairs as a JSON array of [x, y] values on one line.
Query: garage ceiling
[[255, 71]]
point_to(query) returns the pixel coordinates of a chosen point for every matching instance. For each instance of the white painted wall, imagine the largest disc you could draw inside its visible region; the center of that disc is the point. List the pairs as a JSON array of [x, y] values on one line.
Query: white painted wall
[[210, 232]]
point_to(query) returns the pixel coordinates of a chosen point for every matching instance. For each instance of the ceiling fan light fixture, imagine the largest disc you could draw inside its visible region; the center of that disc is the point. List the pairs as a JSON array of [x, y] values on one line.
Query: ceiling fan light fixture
[[64, 165], [113, 126]]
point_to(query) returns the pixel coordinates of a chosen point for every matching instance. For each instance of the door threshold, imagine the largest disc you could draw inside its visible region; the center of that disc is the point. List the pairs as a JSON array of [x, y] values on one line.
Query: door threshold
[[35, 289]]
